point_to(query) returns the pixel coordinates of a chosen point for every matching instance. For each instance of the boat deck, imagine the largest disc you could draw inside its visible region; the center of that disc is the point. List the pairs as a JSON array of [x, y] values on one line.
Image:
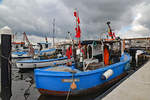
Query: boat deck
[[136, 87]]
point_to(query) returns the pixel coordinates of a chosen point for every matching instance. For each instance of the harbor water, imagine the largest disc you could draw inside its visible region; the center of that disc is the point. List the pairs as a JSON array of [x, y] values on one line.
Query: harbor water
[[23, 87]]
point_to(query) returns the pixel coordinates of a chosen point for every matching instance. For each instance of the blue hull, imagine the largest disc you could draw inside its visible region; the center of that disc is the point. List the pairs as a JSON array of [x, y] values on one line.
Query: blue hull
[[52, 81], [21, 54]]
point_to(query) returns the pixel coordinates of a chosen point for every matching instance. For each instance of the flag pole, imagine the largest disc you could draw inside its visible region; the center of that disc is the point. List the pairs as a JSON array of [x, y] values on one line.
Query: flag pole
[[110, 31], [74, 50]]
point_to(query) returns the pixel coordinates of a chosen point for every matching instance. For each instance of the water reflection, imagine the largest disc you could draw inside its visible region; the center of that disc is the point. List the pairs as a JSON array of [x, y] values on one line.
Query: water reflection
[[44, 97], [84, 97]]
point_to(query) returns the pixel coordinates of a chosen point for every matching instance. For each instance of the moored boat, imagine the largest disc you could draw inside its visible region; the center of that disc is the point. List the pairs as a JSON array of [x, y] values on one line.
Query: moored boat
[[35, 63], [97, 64], [93, 76], [45, 58], [20, 54], [18, 46], [58, 83], [24, 53]]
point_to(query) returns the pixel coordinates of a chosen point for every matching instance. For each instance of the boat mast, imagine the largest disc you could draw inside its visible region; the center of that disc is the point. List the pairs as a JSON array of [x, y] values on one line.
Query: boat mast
[[53, 31]]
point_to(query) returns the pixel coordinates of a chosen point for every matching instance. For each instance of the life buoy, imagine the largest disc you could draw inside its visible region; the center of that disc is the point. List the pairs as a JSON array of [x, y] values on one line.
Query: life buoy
[[107, 74]]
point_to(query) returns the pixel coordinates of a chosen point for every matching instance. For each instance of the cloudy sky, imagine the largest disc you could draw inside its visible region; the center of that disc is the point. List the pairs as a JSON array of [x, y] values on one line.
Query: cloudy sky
[[129, 18]]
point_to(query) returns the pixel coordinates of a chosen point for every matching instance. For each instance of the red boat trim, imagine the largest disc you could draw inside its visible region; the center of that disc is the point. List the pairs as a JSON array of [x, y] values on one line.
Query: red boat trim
[[18, 43]]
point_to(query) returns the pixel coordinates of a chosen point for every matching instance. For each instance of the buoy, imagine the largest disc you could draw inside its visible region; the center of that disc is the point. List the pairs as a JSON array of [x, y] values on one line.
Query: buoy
[[73, 85], [107, 74]]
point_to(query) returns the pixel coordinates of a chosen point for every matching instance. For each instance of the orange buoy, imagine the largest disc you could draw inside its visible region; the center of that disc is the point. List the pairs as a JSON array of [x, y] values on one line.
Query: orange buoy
[[73, 85]]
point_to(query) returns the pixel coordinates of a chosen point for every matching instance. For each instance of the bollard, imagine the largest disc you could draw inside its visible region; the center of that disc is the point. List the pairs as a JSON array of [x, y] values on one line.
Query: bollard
[[6, 66]]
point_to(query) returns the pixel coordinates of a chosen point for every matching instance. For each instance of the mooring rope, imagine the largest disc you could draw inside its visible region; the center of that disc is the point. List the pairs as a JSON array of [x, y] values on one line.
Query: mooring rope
[[7, 58], [26, 94], [67, 98], [68, 94]]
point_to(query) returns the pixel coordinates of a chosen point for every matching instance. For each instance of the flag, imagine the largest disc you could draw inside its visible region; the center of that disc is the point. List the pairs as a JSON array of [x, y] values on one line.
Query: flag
[[83, 51], [69, 52], [78, 20], [114, 36], [77, 29], [109, 32], [78, 32], [75, 13]]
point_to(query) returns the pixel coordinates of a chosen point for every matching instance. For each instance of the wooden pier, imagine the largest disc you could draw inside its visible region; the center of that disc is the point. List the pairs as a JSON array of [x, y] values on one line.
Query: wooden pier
[[136, 87]]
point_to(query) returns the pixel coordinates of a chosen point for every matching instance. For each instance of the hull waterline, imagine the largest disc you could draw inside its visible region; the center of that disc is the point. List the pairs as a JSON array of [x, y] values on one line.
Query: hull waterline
[[98, 88]]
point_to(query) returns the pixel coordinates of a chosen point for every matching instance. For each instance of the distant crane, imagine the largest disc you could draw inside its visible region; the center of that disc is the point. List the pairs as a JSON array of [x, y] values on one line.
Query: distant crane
[[31, 49]]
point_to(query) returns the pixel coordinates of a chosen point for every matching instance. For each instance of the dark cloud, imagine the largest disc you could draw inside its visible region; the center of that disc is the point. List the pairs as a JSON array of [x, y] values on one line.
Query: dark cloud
[[95, 13], [36, 16]]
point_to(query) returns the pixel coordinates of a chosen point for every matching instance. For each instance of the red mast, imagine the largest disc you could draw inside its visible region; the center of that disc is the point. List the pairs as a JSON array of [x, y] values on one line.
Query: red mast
[[31, 49], [25, 38]]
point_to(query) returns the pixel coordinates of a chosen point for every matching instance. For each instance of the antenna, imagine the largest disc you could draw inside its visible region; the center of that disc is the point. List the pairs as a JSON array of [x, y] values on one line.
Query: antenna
[[53, 31]]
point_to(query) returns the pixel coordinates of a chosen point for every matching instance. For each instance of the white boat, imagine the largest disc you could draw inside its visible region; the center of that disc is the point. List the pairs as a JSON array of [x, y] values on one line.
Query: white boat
[[49, 57], [35, 63]]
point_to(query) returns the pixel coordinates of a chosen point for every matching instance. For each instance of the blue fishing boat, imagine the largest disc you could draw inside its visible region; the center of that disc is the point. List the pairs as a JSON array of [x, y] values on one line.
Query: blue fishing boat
[[47, 52], [91, 75], [26, 54], [20, 54], [97, 64], [40, 60]]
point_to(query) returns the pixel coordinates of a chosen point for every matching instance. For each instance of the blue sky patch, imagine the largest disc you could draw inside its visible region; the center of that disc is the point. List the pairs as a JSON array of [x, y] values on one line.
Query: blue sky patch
[[125, 29], [0, 1]]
